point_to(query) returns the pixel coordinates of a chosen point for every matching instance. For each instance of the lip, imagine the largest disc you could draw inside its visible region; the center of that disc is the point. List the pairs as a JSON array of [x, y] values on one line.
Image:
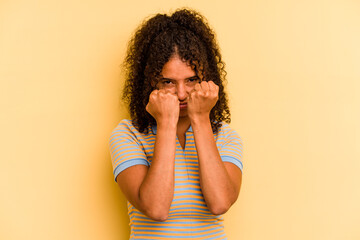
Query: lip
[[183, 105]]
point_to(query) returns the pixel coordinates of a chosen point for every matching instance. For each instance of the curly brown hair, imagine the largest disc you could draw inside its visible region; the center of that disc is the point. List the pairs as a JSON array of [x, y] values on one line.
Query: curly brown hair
[[185, 33]]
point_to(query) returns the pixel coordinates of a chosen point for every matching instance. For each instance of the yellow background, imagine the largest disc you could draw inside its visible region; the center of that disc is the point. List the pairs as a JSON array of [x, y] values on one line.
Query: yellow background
[[294, 83]]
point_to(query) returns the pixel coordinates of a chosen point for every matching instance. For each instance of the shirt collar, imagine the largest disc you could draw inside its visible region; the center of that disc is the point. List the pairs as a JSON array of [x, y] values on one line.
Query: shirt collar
[[154, 128]]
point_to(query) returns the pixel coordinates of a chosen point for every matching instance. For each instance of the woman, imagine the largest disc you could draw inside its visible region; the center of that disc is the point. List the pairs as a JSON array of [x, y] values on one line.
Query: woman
[[177, 162]]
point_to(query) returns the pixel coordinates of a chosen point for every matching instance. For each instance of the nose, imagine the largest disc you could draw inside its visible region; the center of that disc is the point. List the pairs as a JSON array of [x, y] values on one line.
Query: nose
[[181, 91]]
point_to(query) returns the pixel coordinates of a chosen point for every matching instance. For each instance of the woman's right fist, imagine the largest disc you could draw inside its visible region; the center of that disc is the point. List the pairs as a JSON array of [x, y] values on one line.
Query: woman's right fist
[[163, 106]]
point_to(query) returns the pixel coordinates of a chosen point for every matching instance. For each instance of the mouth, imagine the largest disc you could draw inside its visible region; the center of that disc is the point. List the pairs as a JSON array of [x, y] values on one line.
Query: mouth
[[183, 105]]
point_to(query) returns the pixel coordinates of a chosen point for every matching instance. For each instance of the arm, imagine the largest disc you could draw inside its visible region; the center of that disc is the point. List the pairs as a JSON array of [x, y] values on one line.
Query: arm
[[220, 181], [151, 190]]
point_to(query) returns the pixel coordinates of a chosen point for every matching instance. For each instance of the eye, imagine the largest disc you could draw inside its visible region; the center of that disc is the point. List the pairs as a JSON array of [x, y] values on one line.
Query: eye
[[165, 82], [194, 80]]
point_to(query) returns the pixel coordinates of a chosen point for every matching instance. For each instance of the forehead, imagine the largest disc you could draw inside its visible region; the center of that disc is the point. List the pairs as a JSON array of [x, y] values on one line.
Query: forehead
[[176, 68]]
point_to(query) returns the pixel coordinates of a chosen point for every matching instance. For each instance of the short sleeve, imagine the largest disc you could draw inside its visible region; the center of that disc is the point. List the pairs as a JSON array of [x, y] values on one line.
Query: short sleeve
[[125, 148], [232, 147]]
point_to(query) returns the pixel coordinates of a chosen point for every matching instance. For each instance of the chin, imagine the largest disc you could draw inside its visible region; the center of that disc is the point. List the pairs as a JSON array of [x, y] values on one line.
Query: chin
[[183, 114]]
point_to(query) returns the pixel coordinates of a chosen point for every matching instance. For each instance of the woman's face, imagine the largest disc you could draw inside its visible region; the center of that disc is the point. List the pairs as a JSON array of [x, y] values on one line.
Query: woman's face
[[179, 78]]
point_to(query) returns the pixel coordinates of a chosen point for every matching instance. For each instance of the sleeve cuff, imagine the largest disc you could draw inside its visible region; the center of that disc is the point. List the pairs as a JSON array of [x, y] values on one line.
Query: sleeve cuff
[[121, 167], [233, 160]]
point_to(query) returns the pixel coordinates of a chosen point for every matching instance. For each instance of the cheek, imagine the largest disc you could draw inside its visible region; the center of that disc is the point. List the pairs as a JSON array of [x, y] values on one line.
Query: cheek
[[171, 90], [168, 88], [189, 89]]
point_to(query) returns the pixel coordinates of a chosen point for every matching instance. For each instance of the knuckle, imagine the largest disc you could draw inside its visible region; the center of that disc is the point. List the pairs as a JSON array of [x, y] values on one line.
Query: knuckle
[[153, 93]]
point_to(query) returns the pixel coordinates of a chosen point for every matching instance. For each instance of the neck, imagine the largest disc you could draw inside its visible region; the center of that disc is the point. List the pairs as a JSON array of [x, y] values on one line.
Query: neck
[[182, 125]]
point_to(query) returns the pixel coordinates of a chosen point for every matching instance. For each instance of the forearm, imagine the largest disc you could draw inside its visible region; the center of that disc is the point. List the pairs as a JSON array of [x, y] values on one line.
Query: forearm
[[157, 190], [217, 187]]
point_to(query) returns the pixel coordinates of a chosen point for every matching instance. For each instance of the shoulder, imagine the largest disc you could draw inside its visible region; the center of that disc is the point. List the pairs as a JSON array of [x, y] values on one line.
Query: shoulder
[[126, 130], [124, 124], [226, 131], [227, 136], [125, 127]]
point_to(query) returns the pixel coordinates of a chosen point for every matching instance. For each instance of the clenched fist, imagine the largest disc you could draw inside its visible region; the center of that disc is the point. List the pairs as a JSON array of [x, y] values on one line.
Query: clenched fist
[[202, 99], [163, 106]]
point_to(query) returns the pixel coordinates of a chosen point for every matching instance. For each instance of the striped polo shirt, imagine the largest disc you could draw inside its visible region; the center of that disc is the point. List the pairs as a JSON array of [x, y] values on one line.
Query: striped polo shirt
[[189, 217]]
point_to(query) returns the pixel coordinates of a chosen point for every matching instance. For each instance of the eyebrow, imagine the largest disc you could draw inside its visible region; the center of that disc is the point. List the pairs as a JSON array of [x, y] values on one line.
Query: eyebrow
[[164, 78]]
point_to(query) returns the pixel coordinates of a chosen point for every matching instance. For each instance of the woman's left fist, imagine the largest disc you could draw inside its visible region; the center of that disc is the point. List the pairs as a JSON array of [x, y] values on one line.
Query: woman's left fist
[[202, 99]]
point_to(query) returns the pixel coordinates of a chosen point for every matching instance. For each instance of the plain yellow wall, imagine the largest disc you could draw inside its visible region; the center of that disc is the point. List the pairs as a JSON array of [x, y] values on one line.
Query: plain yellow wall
[[294, 83]]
